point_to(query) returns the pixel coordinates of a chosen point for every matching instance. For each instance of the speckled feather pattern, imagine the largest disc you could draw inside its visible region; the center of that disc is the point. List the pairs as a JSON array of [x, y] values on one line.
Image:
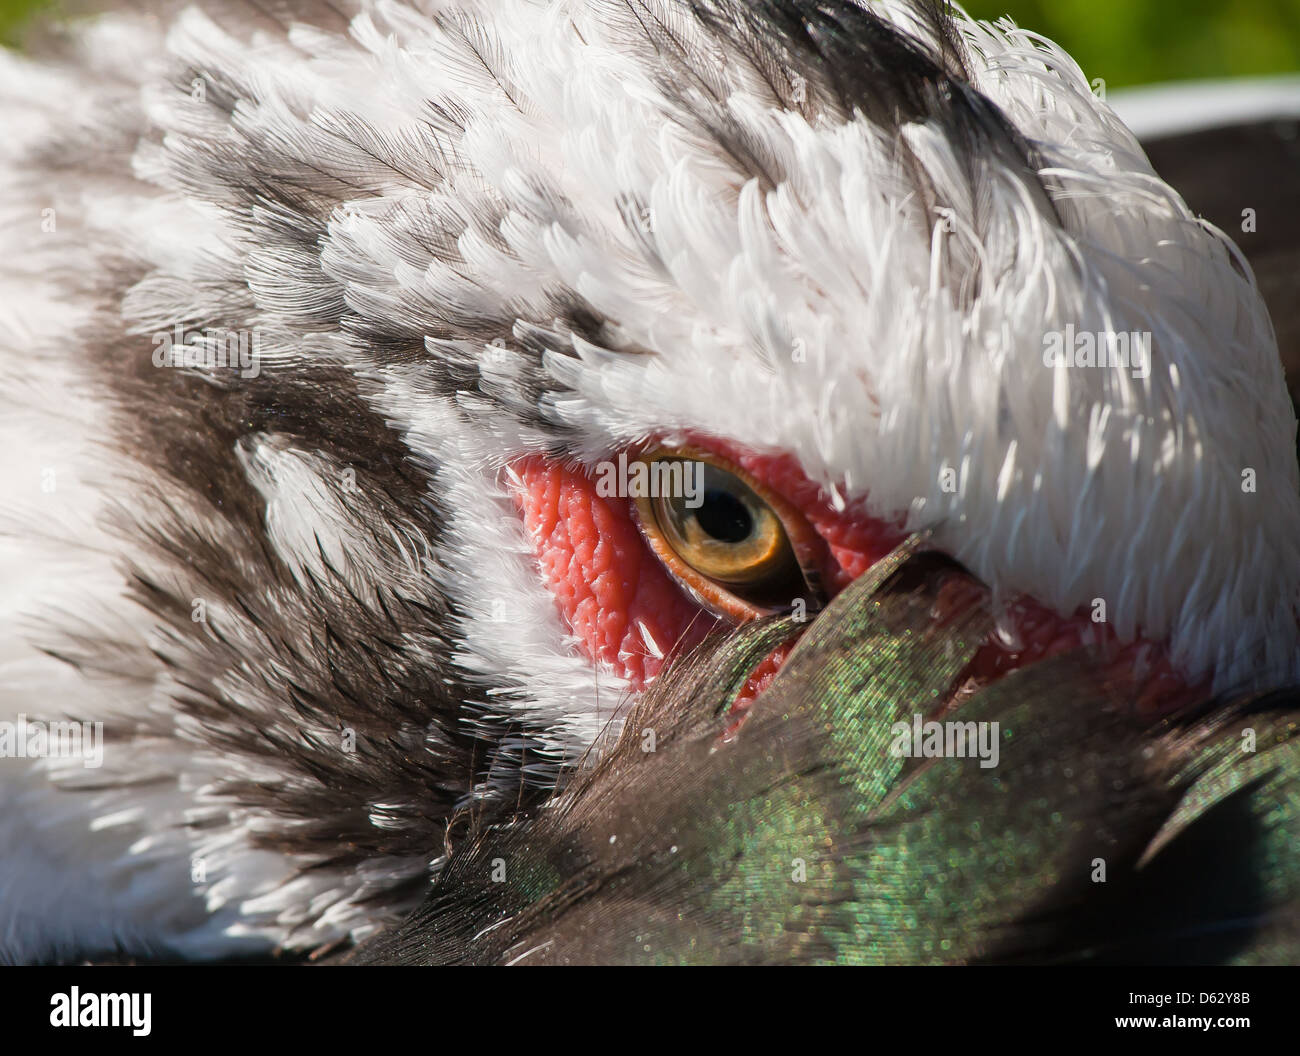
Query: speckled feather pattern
[[465, 231]]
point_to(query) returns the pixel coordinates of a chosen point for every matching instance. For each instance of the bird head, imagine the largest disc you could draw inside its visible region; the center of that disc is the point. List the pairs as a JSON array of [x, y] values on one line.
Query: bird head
[[870, 270], [583, 329]]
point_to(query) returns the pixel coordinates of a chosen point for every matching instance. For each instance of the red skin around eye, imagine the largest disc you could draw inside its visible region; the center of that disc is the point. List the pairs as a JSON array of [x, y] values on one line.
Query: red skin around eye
[[613, 593], [608, 584], [606, 581]]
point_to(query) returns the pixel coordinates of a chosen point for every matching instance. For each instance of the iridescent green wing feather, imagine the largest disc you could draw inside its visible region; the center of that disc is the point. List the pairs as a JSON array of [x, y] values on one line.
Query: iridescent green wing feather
[[814, 833]]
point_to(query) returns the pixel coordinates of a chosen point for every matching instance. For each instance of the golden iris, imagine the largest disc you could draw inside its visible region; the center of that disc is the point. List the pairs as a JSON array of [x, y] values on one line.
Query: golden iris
[[724, 532]]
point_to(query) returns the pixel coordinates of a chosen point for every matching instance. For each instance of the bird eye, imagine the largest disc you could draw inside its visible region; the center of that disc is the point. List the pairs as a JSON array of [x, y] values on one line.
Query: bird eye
[[724, 540]]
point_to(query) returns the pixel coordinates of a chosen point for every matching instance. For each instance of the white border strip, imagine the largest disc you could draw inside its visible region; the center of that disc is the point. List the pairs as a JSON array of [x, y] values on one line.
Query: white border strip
[[1187, 106]]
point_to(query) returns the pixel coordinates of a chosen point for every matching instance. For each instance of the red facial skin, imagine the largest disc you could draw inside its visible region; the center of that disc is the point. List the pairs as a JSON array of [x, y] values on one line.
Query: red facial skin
[[609, 584], [606, 580]]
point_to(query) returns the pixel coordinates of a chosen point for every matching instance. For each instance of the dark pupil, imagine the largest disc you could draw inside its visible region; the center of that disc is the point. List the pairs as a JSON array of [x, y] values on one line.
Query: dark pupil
[[724, 517]]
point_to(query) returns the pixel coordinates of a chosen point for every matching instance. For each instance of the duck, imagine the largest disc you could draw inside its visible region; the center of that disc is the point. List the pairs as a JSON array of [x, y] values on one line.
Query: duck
[[331, 333]]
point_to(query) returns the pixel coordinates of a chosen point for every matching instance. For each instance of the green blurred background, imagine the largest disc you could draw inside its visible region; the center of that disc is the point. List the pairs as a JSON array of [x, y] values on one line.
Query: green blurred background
[[1122, 41]]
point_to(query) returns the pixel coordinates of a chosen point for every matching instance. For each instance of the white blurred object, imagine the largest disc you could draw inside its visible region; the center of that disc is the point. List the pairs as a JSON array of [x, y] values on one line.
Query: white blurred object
[[1159, 110]]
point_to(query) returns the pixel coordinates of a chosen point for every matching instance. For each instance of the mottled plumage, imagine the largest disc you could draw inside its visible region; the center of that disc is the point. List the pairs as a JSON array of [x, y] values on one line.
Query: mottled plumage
[[303, 593]]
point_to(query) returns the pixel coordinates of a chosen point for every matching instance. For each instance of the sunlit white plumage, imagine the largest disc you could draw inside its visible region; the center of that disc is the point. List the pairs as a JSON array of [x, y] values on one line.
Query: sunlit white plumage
[[470, 169]]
